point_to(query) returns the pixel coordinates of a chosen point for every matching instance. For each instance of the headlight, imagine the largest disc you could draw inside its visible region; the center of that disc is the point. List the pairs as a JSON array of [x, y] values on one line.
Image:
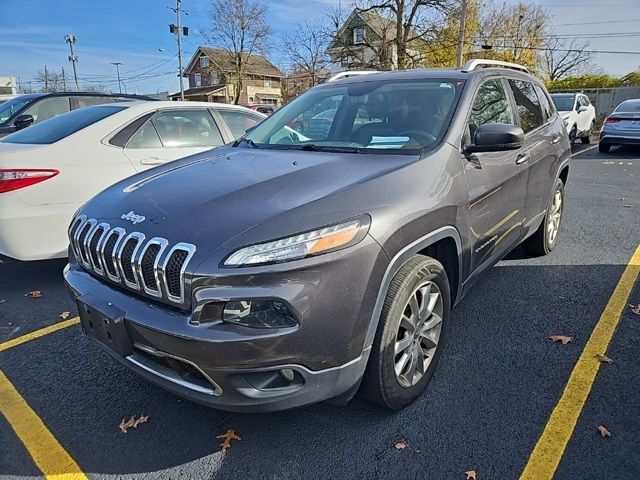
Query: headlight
[[323, 240]]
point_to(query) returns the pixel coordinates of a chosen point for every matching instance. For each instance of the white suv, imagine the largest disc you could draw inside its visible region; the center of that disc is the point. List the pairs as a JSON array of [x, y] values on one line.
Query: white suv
[[578, 113]]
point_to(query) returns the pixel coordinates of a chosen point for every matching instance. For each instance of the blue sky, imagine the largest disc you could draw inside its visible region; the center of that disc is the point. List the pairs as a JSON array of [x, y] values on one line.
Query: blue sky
[[132, 31]]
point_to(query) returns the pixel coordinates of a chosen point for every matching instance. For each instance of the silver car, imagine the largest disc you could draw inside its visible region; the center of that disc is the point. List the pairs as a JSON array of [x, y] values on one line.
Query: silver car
[[622, 127]]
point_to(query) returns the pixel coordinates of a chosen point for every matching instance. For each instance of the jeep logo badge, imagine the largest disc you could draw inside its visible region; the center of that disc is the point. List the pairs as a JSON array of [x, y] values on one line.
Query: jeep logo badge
[[133, 218]]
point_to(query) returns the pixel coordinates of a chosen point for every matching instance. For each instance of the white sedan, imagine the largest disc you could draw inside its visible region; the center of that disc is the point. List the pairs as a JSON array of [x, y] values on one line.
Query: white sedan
[[49, 170]]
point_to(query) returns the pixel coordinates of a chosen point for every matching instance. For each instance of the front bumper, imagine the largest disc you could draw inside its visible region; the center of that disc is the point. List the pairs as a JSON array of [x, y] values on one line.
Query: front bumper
[[239, 368]]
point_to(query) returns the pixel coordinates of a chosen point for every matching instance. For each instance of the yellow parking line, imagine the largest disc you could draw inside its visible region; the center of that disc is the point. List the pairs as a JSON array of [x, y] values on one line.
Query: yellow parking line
[[546, 455], [38, 333], [47, 453]]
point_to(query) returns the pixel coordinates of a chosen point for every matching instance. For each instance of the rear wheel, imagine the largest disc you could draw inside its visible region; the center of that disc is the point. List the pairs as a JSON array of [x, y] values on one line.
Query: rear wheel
[[409, 338], [546, 237], [603, 147], [587, 139]]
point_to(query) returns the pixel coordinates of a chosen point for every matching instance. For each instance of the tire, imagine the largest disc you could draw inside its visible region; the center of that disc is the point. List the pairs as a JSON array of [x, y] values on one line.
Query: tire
[[543, 241], [587, 139], [603, 147], [573, 134], [380, 384]]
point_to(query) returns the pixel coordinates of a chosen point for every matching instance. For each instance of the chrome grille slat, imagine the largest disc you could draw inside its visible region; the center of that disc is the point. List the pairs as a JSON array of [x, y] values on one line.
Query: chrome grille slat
[[129, 259]]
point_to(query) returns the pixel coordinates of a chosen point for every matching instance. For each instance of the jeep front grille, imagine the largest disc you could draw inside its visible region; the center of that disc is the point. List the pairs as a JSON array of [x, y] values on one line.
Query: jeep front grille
[[129, 259]]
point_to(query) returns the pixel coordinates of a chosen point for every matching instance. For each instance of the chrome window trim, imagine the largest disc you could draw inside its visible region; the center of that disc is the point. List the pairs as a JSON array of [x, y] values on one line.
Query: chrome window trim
[[97, 268], [121, 232], [163, 244], [140, 239], [84, 247], [191, 250]]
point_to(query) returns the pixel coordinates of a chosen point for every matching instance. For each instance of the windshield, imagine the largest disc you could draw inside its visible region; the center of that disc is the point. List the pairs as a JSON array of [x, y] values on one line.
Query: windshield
[[563, 103], [10, 107], [629, 106], [62, 126], [403, 116]]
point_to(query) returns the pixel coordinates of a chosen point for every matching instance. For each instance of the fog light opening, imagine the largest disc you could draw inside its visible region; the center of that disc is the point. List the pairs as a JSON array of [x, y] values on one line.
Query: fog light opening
[[258, 314]]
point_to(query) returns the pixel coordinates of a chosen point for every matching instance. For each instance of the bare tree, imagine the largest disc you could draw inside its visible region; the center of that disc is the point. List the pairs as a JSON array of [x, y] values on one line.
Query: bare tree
[[565, 58], [411, 20], [97, 88], [51, 81], [305, 48], [239, 28]]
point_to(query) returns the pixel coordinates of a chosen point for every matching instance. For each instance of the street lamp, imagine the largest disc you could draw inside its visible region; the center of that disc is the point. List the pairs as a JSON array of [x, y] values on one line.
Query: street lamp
[[117, 64]]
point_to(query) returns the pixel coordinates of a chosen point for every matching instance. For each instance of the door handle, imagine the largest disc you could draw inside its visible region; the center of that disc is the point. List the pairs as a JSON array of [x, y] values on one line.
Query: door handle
[[555, 138], [522, 158]]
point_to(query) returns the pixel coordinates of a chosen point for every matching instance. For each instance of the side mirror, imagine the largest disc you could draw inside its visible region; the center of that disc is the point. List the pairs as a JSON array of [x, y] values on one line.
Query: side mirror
[[496, 137], [582, 109], [23, 121]]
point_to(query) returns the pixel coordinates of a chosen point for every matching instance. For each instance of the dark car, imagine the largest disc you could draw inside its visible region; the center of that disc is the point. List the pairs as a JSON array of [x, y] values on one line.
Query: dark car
[[265, 108], [280, 271], [25, 110], [622, 127]]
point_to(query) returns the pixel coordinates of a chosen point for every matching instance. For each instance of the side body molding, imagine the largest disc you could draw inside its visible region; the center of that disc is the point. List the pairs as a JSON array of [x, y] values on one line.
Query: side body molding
[[399, 259]]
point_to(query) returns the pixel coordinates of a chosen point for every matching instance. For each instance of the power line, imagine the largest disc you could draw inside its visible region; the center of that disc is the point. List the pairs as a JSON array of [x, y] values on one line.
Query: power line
[[597, 23]]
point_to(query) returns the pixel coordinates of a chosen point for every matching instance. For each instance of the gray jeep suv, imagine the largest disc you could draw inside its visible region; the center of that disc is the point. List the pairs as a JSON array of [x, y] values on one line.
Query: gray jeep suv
[[302, 264]]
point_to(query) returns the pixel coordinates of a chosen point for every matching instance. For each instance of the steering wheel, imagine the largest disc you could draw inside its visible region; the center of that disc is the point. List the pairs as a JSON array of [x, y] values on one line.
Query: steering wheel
[[424, 138]]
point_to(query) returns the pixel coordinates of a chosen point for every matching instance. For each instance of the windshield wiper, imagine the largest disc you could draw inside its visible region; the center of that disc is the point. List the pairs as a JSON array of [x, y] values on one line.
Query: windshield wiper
[[309, 147], [248, 141]]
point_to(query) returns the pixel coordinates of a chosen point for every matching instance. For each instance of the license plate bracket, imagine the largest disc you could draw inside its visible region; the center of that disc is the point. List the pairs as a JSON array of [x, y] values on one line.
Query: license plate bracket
[[105, 323]]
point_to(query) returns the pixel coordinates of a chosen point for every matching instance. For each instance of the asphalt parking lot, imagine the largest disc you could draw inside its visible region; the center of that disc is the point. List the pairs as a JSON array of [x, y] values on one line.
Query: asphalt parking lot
[[499, 380]]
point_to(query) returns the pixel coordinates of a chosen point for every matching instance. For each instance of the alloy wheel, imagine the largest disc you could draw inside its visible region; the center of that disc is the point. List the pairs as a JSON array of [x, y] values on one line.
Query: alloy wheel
[[418, 334], [555, 214]]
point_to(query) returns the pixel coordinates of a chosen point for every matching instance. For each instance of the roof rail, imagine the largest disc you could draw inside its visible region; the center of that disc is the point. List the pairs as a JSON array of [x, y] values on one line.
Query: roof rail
[[350, 73], [474, 64]]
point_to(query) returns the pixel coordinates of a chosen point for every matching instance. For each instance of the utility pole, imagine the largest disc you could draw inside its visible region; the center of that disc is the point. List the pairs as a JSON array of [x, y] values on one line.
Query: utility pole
[[71, 40], [179, 30], [117, 64], [64, 80], [463, 17]]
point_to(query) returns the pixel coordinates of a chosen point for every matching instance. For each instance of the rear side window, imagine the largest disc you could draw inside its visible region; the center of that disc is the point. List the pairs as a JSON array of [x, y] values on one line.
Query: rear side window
[[239, 122], [146, 137], [187, 128], [60, 127], [545, 103], [528, 104], [48, 108]]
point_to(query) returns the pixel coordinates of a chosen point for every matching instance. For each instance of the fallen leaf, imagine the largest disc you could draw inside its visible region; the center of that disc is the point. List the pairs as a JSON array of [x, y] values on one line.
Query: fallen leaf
[[635, 309], [140, 420], [400, 445], [64, 315], [627, 206], [133, 422], [561, 338], [602, 358], [230, 435], [471, 474], [125, 425], [3, 301], [608, 162], [34, 294], [604, 432]]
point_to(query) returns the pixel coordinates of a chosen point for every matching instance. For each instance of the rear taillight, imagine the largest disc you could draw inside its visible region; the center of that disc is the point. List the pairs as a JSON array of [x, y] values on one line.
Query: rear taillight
[[612, 120], [16, 178]]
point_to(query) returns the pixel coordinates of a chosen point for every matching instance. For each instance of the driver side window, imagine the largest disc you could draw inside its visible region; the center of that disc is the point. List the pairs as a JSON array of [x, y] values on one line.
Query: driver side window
[[490, 105]]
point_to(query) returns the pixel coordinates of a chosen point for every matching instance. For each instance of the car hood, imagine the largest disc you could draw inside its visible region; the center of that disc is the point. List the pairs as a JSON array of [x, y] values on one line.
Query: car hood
[[209, 199]]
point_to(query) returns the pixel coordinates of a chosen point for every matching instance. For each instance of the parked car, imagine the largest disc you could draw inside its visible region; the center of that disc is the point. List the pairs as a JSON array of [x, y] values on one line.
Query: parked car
[[49, 170], [25, 110], [5, 97], [578, 113], [265, 108], [297, 270], [622, 127]]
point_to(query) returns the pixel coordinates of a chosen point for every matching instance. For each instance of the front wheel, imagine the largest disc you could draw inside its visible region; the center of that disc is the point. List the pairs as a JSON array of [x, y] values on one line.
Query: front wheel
[[573, 134], [409, 338], [587, 139], [544, 240]]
